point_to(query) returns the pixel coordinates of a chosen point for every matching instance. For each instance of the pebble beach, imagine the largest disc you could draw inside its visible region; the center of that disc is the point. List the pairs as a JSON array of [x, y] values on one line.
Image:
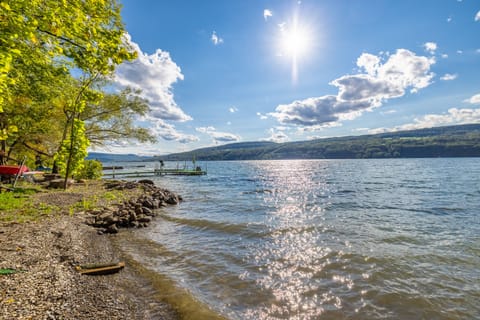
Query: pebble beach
[[46, 284]]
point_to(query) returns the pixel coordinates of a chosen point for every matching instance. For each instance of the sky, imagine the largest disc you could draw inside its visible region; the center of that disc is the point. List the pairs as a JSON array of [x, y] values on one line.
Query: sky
[[224, 71]]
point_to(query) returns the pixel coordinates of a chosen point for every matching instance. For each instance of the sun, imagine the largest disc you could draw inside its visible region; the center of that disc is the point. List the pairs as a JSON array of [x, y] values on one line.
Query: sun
[[295, 43]]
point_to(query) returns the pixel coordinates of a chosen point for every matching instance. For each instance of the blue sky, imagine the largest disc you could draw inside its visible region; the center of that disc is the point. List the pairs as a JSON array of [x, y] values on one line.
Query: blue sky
[[217, 72]]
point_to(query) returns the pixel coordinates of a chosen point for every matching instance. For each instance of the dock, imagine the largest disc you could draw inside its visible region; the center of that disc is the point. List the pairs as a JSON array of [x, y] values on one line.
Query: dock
[[155, 172]]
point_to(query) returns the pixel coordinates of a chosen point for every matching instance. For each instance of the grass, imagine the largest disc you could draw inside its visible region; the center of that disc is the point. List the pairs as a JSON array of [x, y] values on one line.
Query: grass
[[22, 205], [16, 206]]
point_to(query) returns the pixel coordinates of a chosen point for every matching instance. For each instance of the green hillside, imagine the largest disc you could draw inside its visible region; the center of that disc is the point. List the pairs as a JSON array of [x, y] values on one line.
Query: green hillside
[[451, 141]]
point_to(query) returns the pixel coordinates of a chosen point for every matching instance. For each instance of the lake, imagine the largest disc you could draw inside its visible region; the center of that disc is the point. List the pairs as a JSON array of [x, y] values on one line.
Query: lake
[[318, 239]]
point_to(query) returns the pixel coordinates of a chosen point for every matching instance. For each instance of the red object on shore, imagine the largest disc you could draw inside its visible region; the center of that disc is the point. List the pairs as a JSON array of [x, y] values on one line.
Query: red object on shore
[[12, 170]]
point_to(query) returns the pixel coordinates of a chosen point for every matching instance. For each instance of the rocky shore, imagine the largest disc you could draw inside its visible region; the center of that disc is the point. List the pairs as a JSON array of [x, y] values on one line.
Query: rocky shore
[[44, 254], [132, 213]]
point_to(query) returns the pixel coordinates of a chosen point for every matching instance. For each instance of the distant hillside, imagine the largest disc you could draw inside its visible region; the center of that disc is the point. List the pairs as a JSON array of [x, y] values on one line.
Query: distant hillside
[[449, 141], [110, 157]]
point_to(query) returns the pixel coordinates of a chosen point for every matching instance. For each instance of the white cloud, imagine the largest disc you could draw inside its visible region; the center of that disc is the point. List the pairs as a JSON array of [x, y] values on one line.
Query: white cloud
[[262, 116], [277, 136], [233, 109], [218, 136], [168, 132], [454, 116], [459, 51], [205, 129], [474, 99], [444, 55], [477, 16], [449, 77], [449, 19], [361, 92], [155, 75], [267, 13], [216, 39], [388, 112], [431, 47]]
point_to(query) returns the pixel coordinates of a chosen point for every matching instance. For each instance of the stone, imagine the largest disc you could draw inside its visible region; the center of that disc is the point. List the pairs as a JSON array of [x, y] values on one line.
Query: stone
[[148, 203], [59, 183], [106, 218], [143, 218], [172, 199], [112, 229], [147, 211], [146, 181]]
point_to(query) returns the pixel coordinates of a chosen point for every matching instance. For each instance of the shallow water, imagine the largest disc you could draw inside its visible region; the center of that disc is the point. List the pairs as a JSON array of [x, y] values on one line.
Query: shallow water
[[329, 239]]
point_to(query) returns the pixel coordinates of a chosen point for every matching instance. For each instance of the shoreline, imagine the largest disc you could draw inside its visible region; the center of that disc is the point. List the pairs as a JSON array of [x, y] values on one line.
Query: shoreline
[[48, 286]]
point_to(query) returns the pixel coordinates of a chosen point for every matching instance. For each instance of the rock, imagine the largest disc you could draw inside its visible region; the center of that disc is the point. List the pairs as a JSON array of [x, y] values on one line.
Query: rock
[[134, 212], [143, 218], [132, 216], [172, 199], [148, 203], [59, 183], [105, 218], [146, 181], [112, 229], [147, 211], [90, 220]]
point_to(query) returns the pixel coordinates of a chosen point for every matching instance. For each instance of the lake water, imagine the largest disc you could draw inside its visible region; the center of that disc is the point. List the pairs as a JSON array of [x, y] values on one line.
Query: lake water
[[318, 239]]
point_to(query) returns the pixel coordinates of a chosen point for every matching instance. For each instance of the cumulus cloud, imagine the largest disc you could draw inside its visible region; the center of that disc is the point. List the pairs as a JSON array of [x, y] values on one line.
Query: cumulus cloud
[[155, 75], [477, 16], [216, 39], [454, 116], [262, 116], [277, 136], [474, 99], [267, 14], [381, 80], [168, 132], [217, 135], [449, 77], [233, 109], [431, 47]]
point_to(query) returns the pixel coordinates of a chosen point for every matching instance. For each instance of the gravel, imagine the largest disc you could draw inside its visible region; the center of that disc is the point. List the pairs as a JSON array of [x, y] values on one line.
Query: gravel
[[47, 285]]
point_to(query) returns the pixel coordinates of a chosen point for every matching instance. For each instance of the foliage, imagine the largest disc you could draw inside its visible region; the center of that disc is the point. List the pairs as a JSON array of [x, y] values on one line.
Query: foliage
[[73, 150], [91, 169], [113, 118], [55, 57]]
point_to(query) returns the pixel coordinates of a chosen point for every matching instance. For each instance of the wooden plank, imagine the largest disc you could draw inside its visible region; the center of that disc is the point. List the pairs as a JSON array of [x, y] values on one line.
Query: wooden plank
[[100, 269]]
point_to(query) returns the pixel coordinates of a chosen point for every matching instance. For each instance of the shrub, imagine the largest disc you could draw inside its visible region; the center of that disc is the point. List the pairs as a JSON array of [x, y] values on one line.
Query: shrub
[[92, 169]]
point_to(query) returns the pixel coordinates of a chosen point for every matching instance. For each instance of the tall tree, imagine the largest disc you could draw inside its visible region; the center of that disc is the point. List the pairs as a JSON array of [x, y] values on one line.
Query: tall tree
[[83, 35], [113, 118]]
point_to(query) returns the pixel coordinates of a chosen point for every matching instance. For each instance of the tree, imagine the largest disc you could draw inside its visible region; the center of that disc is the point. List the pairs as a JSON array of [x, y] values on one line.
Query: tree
[[113, 118], [81, 35]]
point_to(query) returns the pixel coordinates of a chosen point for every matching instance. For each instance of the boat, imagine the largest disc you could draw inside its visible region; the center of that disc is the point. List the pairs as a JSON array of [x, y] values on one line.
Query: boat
[[100, 268], [9, 170]]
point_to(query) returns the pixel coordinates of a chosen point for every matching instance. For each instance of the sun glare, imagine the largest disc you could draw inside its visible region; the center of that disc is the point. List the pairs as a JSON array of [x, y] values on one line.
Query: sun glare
[[295, 43]]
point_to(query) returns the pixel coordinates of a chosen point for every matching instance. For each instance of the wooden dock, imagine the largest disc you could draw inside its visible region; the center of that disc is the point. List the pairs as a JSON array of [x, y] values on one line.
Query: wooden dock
[[155, 172]]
